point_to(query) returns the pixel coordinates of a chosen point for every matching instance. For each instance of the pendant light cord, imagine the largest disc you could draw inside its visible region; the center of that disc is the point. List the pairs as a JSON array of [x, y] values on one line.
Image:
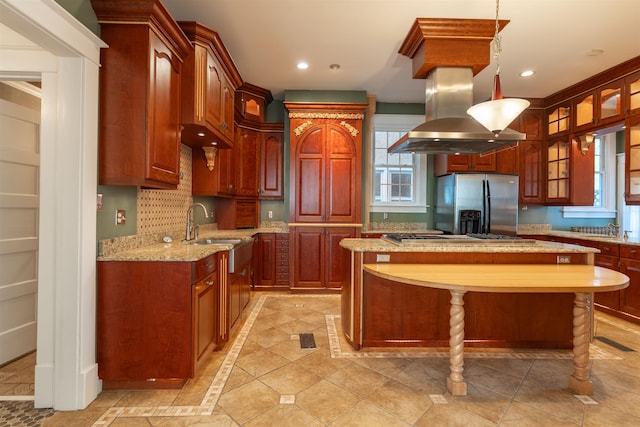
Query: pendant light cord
[[497, 49]]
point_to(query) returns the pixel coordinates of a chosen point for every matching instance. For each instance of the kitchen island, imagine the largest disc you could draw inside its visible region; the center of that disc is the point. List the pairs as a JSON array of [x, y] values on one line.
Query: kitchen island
[[582, 280], [379, 312]]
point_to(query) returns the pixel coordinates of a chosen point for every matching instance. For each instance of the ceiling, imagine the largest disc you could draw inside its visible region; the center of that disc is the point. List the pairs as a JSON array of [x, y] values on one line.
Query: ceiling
[[266, 38]]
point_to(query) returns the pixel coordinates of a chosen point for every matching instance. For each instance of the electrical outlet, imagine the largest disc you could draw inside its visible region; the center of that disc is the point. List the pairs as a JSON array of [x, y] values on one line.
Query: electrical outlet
[[383, 257], [385, 216], [121, 217], [270, 214], [564, 259]]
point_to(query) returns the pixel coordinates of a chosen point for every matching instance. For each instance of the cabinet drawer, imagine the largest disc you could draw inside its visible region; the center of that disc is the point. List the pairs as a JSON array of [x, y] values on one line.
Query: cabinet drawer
[[611, 249], [628, 251], [282, 244], [202, 268], [284, 237]]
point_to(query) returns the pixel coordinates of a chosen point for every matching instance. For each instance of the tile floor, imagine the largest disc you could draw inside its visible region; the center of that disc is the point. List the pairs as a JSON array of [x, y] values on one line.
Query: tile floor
[[264, 378]]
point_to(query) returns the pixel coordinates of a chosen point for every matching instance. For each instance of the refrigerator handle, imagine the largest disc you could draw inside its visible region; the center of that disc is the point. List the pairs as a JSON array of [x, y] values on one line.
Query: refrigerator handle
[[483, 223], [488, 207]]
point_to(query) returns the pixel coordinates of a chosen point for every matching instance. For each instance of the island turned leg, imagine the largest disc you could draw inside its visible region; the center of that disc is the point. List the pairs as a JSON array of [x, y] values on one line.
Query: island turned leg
[[580, 381], [455, 383]]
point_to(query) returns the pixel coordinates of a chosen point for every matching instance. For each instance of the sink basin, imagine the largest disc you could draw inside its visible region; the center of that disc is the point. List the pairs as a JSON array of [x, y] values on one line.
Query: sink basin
[[212, 241]]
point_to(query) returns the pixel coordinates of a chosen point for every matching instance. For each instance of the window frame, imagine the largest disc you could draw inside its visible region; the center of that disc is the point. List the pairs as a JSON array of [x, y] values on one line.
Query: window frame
[[398, 123]]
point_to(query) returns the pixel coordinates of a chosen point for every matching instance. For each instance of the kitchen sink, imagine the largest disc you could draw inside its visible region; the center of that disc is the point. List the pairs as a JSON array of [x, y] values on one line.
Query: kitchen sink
[[211, 241], [241, 250]]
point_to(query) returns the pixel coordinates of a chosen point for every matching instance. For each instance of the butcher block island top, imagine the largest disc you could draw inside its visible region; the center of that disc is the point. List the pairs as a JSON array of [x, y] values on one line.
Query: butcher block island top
[[519, 278]]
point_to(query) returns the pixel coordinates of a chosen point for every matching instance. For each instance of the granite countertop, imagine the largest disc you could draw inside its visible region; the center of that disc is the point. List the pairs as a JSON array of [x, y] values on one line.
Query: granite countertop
[[181, 251], [634, 241], [513, 246]]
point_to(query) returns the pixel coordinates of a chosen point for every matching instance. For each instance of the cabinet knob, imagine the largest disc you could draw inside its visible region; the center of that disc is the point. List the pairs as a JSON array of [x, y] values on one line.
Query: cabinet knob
[[210, 282]]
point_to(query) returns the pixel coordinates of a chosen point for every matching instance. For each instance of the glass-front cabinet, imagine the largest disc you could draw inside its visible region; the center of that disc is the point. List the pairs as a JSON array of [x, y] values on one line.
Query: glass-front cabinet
[[632, 85], [599, 107], [558, 170], [610, 100], [570, 172], [559, 120], [632, 162]]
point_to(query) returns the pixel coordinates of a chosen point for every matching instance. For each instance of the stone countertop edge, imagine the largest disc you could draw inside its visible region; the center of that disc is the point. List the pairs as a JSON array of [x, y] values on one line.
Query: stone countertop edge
[[634, 241], [379, 245], [178, 250]]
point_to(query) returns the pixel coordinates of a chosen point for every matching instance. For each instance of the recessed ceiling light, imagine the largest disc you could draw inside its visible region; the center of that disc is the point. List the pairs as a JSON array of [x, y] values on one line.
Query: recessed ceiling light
[[334, 66], [527, 73], [595, 52], [201, 134], [214, 143], [302, 65]]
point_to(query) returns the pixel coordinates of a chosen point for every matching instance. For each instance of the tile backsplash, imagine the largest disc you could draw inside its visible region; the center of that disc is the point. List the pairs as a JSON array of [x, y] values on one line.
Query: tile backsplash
[[161, 211]]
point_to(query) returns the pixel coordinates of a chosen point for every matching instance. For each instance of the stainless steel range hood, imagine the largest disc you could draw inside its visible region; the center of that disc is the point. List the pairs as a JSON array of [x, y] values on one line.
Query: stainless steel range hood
[[448, 128]]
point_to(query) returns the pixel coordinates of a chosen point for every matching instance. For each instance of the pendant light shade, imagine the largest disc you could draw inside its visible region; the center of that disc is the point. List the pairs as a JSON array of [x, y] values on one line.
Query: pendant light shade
[[497, 114]]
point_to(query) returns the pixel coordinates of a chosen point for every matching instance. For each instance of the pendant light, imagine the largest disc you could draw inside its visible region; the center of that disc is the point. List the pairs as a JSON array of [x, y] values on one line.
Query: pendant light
[[498, 113]]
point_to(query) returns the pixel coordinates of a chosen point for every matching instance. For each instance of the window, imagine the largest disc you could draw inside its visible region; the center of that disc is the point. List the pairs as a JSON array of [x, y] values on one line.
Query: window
[[604, 182], [398, 181]]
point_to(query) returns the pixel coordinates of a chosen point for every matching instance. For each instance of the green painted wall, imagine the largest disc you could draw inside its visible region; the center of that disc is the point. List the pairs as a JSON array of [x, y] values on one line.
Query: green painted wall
[[83, 12], [113, 198]]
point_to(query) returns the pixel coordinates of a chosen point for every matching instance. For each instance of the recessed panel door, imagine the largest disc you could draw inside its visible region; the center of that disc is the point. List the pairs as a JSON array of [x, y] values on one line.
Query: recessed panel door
[[19, 202]]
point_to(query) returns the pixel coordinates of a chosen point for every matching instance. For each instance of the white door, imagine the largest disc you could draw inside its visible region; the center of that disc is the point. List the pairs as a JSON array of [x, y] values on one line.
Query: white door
[[19, 201]]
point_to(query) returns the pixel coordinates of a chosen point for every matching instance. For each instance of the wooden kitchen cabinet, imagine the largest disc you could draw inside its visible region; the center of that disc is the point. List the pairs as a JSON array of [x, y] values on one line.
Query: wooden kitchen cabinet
[[209, 80], [449, 163], [530, 172], [234, 213], [318, 259], [271, 163], [271, 261], [246, 160], [632, 162], [599, 106], [559, 119], [240, 282], [264, 249], [325, 189], [569, 173], [632, 94], [140, 92], [157, 320], [205, 302], [326, 163], [630, 265]]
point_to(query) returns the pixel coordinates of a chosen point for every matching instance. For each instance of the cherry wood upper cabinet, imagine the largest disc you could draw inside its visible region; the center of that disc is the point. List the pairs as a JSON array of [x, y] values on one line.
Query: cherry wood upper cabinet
[[271, 166], [570, 178], [140, 92], [530, 168], [326, 162], [632, 162], [632, 93], [209, 81]]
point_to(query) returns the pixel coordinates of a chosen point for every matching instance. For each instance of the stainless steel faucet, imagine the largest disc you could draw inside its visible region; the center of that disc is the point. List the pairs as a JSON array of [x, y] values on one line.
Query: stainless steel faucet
[[191, 232], [613, 230]]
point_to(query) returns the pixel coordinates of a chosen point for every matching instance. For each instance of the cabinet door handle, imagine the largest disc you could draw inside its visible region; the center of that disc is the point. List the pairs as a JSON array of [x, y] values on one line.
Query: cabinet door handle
[[210, 282], [209, 265], [633, 251]]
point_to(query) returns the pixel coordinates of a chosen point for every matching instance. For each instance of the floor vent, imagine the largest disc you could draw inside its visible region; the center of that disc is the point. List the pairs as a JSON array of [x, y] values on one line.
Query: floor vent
[[307, 341], [614, 344]]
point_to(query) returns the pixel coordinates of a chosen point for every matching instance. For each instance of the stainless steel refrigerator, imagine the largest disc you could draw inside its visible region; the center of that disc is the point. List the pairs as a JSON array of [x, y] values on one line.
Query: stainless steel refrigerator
[[477, 203]]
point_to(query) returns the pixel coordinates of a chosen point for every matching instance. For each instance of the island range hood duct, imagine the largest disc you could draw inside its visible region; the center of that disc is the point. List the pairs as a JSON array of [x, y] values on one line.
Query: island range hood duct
[[448, 128]]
